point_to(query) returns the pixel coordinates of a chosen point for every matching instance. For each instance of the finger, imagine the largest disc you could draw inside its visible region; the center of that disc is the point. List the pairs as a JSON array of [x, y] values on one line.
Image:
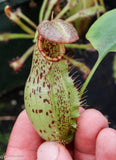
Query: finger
[[24, 140], [90, 124], [53, 151], [81, 110], [106, 145]]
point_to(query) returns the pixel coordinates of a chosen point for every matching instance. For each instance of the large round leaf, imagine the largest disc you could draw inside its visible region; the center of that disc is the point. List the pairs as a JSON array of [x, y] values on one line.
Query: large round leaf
[[102, 33]]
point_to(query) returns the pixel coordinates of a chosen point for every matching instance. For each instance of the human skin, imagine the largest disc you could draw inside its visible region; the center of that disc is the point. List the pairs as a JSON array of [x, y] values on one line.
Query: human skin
[[94, 140]]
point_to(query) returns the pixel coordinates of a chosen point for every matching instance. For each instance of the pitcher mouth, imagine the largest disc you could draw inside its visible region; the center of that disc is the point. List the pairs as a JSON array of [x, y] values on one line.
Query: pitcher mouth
[[51, 51]]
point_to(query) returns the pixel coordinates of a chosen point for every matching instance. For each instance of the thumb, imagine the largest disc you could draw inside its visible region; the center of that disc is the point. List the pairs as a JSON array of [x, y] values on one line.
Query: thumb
[[52, 151]]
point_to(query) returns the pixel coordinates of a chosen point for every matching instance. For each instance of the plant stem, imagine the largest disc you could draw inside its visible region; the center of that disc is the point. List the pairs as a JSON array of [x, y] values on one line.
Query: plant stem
[[18, 63], [114, 68], [16, 19], [49, 9], [80, 46], [8, 36], [42, 10], [84, 4], [90, 75], [26, 54], [81, 66], [63, 11], [86, 13], [21, 15], [24, 27], [97, 13], [102, 3], [7, 118], [96, 2]]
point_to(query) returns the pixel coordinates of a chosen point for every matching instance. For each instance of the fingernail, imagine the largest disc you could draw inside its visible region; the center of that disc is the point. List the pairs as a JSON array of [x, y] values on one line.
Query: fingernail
[[48, 151]]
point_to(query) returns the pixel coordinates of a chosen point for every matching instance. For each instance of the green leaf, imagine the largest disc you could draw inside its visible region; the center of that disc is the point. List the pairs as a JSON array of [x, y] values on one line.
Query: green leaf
[[102, 33], [102, 36]]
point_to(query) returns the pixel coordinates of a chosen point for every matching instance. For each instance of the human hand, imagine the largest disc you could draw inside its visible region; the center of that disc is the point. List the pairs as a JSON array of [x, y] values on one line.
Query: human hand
[[93, 140]]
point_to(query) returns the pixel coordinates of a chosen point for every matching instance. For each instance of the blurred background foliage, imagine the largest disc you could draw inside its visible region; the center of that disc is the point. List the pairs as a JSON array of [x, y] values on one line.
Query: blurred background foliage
[[101, 90]]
